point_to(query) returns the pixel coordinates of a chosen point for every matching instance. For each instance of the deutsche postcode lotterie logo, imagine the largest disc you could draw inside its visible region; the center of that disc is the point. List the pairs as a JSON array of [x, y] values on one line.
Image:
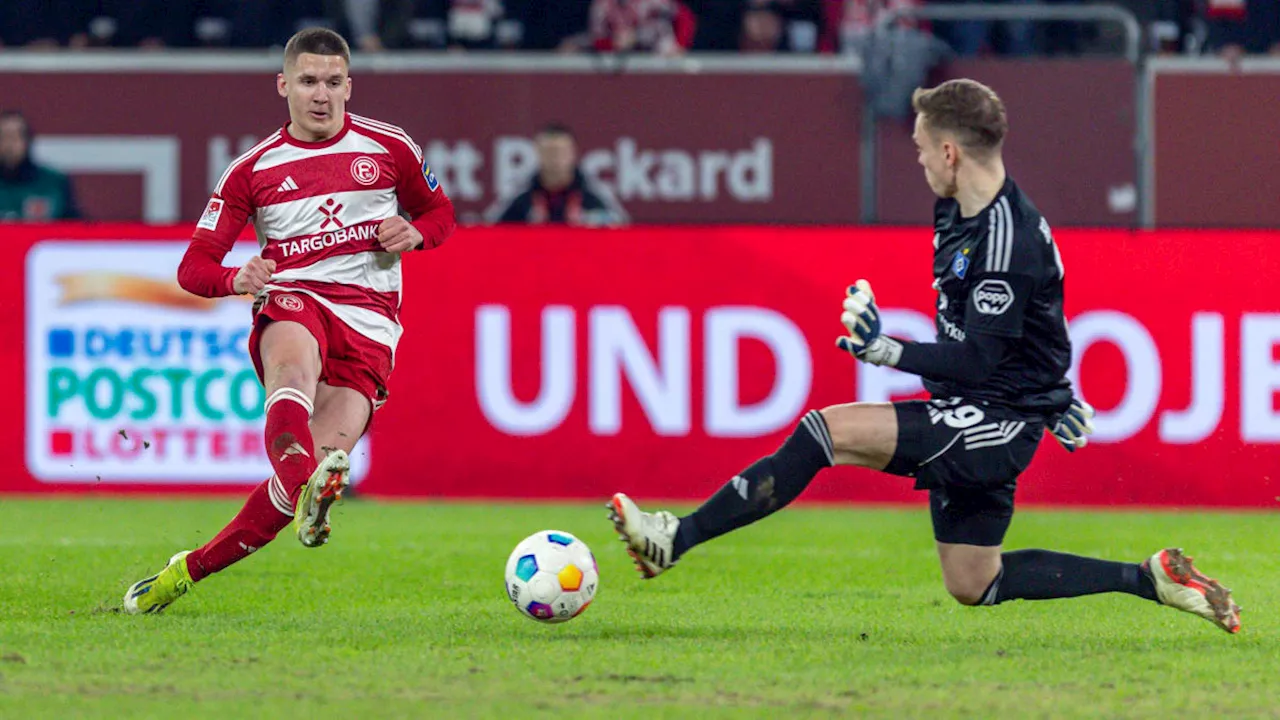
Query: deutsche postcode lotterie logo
[[129, 378]]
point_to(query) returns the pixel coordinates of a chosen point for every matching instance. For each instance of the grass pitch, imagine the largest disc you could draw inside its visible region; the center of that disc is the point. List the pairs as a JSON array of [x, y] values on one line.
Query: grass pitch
[[813, 612]]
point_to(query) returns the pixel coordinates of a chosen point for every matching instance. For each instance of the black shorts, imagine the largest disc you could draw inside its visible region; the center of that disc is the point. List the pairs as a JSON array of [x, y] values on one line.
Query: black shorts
[[968, 456]]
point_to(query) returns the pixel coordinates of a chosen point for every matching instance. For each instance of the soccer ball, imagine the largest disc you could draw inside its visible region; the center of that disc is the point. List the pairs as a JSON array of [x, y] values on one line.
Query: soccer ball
[[552, 576]]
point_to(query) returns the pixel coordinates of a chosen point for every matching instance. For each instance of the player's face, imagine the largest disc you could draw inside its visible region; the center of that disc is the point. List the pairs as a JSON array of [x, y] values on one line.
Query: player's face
[[13, 142], [317, 88], [557, 157], [937, 157]]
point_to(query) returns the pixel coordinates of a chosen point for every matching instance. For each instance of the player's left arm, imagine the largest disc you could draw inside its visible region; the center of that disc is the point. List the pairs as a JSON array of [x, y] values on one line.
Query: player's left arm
[[431, 216]]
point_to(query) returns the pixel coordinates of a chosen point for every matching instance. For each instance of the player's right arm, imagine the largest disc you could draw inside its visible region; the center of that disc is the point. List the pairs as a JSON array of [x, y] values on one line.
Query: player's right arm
[[971, 361], [201, 271]]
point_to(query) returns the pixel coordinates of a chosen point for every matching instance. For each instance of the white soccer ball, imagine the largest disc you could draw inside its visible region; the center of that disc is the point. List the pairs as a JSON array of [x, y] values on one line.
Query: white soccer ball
[[552, 576]]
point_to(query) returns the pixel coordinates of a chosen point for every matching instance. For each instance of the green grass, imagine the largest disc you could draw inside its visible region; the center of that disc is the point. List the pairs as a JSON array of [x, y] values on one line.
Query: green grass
[[814, 612]]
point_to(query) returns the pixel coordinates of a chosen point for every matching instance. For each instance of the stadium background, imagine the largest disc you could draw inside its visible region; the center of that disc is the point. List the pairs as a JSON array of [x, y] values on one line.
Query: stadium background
[[570, 363]]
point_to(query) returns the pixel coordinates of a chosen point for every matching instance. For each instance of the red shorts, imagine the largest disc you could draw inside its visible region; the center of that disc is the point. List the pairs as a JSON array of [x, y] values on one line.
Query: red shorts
[[347, 358]]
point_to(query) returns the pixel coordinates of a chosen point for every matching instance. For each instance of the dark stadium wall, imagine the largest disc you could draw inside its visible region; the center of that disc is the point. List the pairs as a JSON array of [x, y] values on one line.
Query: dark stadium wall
[[673, 148], [1070, 144], [1217, 153]]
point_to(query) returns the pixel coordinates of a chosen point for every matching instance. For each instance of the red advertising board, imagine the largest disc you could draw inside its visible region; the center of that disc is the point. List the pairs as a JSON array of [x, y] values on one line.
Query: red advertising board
[[659, 361]]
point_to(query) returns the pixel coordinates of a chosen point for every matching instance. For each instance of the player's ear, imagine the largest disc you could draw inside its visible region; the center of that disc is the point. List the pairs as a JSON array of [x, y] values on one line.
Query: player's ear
[[281, 87], [951, 153], [348, 97]]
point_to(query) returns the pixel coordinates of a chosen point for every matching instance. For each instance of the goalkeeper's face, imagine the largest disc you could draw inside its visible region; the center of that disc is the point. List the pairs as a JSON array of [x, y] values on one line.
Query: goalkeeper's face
[[317, 88], [937, 155]]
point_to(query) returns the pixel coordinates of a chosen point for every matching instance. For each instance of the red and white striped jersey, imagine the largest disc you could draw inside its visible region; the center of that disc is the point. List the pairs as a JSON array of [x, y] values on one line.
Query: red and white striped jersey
[[316, 208]]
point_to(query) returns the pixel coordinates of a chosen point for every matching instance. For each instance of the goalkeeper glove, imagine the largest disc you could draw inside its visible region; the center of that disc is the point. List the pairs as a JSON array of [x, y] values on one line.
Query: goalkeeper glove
[[1073, 427], [861, 318]]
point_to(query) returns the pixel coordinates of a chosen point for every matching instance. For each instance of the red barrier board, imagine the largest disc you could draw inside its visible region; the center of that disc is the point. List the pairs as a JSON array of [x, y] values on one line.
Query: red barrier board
[[1216, 168], [707, 147], [571, 364]]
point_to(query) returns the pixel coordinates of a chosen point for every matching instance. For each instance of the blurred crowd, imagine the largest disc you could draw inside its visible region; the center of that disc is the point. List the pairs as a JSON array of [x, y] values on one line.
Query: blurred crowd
[[668, 27]]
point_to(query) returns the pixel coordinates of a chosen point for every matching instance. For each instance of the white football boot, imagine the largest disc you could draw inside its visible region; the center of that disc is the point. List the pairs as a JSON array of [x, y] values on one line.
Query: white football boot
[[1179, 585], [650, 537], [323, 489]]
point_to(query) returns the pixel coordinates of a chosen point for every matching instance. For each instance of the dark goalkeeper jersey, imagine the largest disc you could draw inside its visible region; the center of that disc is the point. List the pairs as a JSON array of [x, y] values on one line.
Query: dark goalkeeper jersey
[[1000, 273]]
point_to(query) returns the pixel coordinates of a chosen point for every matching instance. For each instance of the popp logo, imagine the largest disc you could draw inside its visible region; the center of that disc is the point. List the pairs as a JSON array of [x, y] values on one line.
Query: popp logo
[[992, 297]]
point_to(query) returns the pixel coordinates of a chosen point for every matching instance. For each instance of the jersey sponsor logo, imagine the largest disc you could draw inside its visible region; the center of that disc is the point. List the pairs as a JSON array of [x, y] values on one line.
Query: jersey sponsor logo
[[212, 211], [960, 265], [992, 297], [289, 302], [432, 183], [365, 170], [290, 248], [950, 329], [330, 212]]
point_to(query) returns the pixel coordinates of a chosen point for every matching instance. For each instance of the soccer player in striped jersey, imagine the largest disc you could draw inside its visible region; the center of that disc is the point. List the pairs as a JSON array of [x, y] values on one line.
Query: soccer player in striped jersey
[[997, 380], [336, 200]]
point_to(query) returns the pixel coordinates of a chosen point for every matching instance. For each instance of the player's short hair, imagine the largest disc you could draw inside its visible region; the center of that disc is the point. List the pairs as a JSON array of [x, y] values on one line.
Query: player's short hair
[[317, 41], [971, 111], [557, 129]]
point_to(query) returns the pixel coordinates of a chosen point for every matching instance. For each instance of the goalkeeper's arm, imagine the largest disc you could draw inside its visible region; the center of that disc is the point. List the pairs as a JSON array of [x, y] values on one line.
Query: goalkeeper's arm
[[971, 361]]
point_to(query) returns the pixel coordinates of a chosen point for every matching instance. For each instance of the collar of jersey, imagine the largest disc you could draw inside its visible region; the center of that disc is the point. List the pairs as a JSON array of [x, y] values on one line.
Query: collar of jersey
[[1005, 189], [346, 126]]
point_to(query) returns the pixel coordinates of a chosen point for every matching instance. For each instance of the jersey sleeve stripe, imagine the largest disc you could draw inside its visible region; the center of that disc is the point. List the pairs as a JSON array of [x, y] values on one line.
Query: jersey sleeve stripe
[[378, 124], [389, 130], [1000, 237], [999, 258], [1007, 258], [991, 240], [401, 136], [1005, 226], [999, 240], [243, 158]]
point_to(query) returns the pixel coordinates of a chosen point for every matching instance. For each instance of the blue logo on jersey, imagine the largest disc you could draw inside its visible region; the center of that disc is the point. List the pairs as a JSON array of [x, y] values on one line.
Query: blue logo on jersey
[[432, 183], [960, 265]]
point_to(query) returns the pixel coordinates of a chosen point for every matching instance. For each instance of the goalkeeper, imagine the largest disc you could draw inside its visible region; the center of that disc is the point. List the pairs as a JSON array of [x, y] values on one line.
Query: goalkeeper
[[997, 379]]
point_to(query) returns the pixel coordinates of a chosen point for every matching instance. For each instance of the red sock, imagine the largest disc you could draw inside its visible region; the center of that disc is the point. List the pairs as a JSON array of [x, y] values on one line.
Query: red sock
[[288, 438], [265, 513]]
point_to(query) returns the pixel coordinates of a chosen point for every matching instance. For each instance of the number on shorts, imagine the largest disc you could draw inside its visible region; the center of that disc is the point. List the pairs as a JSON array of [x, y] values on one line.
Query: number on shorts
[[960, 418]]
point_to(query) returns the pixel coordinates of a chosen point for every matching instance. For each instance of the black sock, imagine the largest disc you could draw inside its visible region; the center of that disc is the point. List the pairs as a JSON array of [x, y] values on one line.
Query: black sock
[[1045, 575], [762, 489]]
